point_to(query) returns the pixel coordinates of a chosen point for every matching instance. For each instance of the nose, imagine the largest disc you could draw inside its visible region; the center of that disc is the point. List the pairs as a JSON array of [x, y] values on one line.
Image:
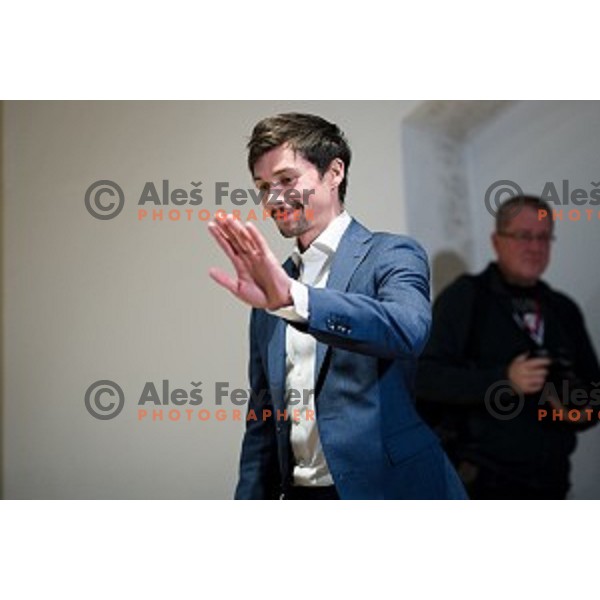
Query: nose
[[273, 199]]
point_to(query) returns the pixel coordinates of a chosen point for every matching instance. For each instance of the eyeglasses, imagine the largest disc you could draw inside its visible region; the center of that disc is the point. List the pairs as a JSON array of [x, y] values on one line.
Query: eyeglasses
[[526, 237]]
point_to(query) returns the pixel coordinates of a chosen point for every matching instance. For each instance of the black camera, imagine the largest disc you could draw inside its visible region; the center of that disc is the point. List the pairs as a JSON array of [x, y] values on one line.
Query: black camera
[[562, 369]]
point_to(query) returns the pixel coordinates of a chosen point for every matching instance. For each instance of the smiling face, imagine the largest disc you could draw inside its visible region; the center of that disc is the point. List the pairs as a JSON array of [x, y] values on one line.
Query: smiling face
[[281, 169], [523, 247]]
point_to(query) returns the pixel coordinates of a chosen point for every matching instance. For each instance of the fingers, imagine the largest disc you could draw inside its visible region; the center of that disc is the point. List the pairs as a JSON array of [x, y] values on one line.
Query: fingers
[[533, 362], [534, 373], [260, 281], [217, 274], [223, 279], [538, 363], [238, 235], [530, 366], [257, 238], [241, 241], [529, 374], [223, 241], [534, 383]]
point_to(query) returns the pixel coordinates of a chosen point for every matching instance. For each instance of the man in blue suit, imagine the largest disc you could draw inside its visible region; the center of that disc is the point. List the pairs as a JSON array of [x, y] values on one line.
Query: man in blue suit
[[334, 334]]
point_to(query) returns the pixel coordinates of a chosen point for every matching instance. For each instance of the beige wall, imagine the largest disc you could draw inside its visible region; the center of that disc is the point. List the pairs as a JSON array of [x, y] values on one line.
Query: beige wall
[[131, 301]]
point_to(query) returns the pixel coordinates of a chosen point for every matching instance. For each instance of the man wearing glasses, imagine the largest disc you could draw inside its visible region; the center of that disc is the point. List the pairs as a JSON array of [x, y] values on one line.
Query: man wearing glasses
[[507, 359]]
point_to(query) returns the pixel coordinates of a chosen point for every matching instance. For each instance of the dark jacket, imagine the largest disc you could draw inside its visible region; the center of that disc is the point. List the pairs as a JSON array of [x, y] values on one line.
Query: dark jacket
[[473, 340]]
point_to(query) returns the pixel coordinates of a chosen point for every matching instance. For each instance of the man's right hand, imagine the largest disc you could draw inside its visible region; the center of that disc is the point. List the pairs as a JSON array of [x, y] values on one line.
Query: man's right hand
[[260, 279], [528, 375]]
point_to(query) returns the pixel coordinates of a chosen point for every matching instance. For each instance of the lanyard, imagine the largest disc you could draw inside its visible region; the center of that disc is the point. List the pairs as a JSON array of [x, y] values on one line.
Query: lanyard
[[535, 328]]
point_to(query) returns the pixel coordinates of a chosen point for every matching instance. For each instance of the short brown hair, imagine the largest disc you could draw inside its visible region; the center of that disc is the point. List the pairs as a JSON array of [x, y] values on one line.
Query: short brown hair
[[317, 140], [510, 208]]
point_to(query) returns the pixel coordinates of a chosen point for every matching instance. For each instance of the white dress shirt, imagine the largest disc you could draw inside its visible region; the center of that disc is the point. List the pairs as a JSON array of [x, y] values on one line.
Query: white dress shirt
[[315, 263]]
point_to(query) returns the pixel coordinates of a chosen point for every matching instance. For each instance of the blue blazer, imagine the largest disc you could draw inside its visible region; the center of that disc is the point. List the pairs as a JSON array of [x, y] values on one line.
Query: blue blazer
[[371, 322]]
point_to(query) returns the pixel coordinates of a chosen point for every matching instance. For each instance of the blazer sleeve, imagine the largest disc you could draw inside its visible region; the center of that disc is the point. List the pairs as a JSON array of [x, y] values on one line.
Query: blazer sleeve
[[259, 477], [391, 324]]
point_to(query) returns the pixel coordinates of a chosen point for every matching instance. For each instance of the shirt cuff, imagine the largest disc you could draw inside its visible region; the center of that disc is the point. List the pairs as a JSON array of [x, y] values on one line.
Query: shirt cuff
[[297, 312]]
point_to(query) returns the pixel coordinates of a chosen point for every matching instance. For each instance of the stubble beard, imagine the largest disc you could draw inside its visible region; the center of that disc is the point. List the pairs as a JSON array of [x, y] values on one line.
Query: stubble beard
[[294, 225]]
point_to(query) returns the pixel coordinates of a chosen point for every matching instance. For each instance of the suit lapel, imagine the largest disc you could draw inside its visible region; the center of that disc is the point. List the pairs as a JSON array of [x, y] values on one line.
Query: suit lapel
[[276, 350], [353, 247], [351, 250]]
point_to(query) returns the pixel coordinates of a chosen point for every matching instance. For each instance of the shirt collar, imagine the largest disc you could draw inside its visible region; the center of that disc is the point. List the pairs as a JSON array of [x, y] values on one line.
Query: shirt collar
[[326, 243]]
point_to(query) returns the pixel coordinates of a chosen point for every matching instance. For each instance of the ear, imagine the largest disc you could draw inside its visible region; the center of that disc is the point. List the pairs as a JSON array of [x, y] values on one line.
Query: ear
[[495, 239], [336, 171]]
